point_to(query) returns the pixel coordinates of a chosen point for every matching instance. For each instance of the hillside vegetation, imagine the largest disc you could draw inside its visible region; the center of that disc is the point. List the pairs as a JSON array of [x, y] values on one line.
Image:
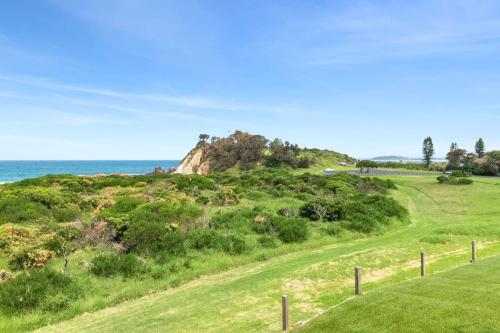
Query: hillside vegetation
[[245, 151], [76, 244], [444, 219]]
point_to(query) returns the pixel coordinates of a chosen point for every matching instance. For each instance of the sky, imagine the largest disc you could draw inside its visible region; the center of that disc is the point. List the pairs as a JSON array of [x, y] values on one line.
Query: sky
[[141, 79]]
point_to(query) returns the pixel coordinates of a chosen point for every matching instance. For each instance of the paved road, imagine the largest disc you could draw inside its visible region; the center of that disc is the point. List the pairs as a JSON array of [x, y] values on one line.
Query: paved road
[[382, 172]]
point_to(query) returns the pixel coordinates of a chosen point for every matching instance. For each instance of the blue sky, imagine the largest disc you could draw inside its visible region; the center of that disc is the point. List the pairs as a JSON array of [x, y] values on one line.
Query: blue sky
[[121, 79]]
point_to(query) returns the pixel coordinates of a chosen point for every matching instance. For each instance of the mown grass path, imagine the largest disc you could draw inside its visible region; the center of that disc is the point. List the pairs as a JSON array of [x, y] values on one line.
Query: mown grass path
[[247, 299]]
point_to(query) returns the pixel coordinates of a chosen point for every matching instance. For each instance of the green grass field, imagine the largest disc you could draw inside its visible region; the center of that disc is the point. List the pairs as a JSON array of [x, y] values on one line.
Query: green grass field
[[465, 299], [444, 219]]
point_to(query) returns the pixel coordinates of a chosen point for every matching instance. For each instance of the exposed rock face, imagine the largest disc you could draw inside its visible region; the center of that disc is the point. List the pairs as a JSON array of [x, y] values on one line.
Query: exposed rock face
[[194, 162]]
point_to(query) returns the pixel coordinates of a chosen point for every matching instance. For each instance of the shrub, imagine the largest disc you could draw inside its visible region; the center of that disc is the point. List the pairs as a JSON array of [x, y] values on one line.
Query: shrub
[[34, 258], [268, 241], [65, 214], [112, 264], [322, 209], [333, 229], [234, 244], [42, 289], [48, 197], [125, 205], [58, 245], [386, 206], [287, 212], [204, 239], [19, 210], [225, 198], [153, 227], [465, 181], [290, 230], [203, 199], [154, 239], [442, 179], [239, 220], [451, 180], [460, 173], [304, 163]]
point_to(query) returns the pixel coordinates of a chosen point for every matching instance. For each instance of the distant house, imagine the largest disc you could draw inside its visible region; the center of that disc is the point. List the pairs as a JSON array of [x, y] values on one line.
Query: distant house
[[329, 172], [343, 163]]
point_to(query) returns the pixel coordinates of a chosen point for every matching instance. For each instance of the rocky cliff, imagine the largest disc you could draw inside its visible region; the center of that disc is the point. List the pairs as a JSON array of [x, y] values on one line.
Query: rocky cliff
[[194, 162]]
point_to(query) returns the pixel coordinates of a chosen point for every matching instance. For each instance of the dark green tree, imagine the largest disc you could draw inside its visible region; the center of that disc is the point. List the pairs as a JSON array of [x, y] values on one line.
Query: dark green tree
[[366, 164], [479, 147], [428, 151], [203, 137]]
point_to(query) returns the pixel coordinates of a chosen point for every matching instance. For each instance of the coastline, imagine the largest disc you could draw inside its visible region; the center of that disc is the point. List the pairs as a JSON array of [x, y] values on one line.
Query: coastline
[[14, 171]]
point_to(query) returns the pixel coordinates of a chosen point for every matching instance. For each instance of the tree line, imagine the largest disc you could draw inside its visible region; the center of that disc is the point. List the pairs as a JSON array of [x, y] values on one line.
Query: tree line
[[479, 162]]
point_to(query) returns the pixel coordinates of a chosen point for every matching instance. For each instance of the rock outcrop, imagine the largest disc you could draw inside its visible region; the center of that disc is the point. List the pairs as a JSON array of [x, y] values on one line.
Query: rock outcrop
[[194, 162]]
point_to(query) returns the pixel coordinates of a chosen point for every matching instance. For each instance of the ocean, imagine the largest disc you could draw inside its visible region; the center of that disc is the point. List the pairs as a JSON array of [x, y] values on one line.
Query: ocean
[[11, 171]]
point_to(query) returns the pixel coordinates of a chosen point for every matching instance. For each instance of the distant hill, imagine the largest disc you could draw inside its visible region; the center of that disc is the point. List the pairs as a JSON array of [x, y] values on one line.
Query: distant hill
[[390, 158], [245, 151]]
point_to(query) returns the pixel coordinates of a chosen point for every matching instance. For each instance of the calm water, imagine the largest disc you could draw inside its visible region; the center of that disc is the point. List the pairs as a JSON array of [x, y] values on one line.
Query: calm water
[[11, 171]]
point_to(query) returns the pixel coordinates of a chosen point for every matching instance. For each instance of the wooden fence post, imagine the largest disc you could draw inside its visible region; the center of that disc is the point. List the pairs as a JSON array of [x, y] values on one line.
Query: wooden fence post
[[422, 263], [284, 312], [357, 280], [473, 251]]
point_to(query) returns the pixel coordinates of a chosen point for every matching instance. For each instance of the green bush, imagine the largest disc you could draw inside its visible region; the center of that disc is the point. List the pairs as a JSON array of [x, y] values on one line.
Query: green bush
[[58, 245], [465, 181], [203, 199], [290, 230], [452, 180], [442, 179], [20, 210], [460, 173], [225, 198], [65, 214], [112, 264], [39, 289], [237, 220], [48, 197], [201, 239], [333, 229], [153, 228], [155, 240], [268, 241], [234, 244], [322, 209]]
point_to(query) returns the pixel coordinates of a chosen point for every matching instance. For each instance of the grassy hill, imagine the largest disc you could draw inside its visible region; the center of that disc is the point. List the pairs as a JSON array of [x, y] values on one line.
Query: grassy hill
[[318, 274], [465, 299]]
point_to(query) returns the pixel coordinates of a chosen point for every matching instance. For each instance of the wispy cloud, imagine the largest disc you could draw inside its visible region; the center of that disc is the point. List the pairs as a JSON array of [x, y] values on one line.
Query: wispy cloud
[[365, 32], [185, 101]]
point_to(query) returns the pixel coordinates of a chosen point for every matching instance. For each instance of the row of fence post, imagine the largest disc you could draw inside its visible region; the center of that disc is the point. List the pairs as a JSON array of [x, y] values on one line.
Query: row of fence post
[[357, 285]]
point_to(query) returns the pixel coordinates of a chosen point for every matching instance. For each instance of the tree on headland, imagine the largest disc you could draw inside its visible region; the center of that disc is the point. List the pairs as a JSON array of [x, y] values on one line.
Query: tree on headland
[[479, 147], [428, 151], [366, 164], [204, 137], [454, 146]]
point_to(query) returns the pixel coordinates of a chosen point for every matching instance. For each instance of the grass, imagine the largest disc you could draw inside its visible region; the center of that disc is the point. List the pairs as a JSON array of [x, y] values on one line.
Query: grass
[[316, 276], [465, 299]]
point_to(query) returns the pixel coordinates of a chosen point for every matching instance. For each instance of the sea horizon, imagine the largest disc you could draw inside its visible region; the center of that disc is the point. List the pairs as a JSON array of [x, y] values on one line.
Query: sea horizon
[[16, 170]]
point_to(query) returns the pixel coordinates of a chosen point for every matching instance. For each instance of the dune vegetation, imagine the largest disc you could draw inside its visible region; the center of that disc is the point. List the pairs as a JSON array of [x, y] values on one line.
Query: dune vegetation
[[311, 261], [72, 244]]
